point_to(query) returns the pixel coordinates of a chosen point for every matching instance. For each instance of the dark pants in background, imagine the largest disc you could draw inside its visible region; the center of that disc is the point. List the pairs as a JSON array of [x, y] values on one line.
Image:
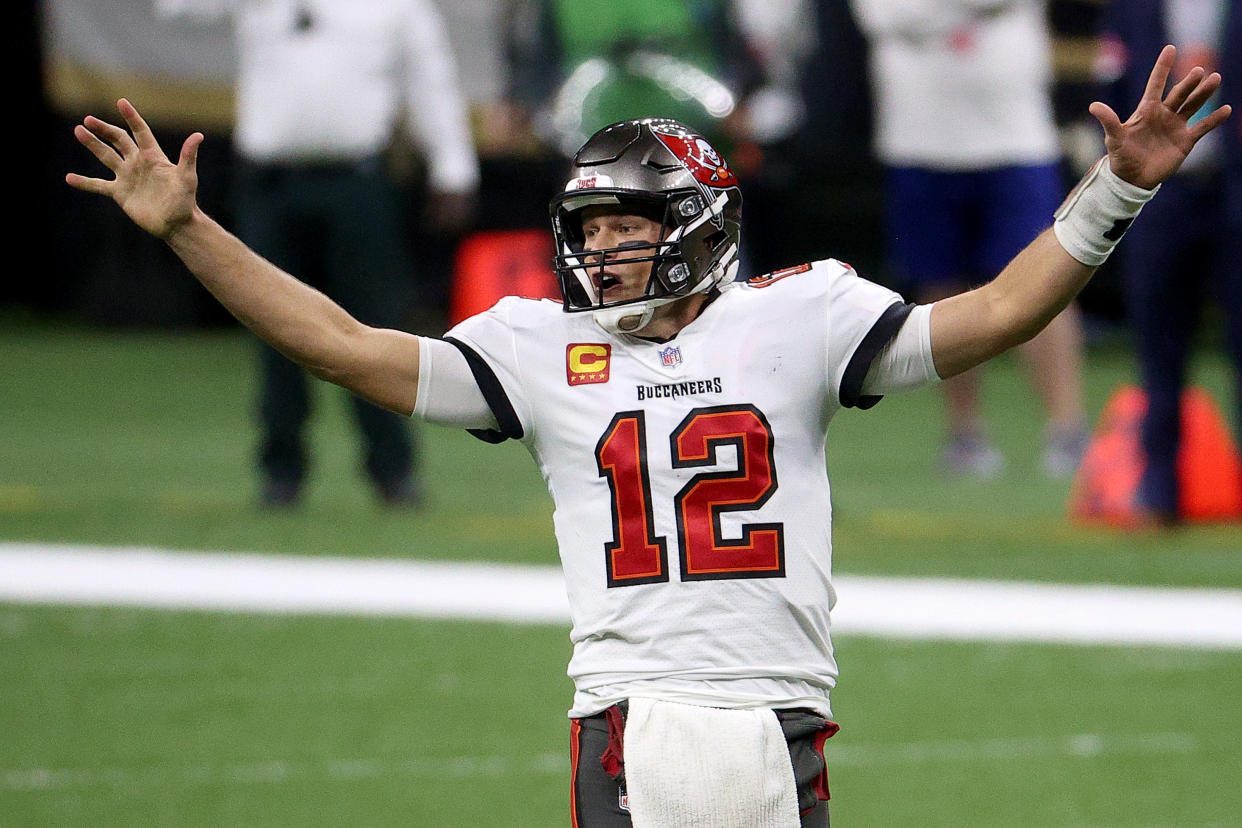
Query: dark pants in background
[[1180, 253], [340, 228]]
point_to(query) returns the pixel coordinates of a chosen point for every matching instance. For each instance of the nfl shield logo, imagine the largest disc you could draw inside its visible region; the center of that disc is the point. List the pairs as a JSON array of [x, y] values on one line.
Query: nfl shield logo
[[670, 356]]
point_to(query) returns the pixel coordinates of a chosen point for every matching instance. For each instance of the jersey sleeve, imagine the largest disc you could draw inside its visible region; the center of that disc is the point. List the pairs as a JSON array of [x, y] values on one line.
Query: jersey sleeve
[[487, 343], [448, 393], [906, 361], [862, 318]]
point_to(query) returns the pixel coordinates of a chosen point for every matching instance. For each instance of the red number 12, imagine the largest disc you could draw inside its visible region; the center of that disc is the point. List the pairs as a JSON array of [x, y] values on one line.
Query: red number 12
[[636, 555]]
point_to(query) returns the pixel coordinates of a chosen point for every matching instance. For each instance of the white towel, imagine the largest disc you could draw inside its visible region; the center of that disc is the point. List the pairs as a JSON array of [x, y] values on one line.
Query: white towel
[[705, 767]]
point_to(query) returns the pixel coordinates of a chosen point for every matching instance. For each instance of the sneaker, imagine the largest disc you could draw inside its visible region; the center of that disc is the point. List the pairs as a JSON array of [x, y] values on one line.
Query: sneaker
[[1156, 504], [968, 455], [401, 494], [279, 494], [1063, 452]]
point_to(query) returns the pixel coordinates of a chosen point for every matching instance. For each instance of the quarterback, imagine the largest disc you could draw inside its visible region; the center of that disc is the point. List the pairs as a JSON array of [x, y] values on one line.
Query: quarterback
[[679, 419]]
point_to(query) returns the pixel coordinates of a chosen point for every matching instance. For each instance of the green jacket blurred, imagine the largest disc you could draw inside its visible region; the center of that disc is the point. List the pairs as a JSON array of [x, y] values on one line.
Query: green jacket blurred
[[579, 65]]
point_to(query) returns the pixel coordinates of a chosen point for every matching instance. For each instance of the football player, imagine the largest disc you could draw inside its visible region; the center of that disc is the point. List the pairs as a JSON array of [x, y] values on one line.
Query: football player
[[679, 418]]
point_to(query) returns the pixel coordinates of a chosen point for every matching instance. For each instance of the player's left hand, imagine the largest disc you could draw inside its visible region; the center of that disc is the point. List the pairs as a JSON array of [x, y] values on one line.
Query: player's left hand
[[1149, 147]]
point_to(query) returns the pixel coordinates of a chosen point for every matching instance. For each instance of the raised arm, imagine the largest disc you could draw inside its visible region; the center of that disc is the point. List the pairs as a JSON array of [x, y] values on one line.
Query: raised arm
[[1040, 282], [160, 197]]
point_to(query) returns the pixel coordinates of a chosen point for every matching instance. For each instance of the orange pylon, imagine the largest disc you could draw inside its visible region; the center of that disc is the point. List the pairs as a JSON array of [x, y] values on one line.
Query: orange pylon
[[1209, 469]]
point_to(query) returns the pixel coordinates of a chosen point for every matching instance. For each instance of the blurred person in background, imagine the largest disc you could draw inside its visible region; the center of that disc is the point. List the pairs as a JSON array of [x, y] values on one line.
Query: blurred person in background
[[1188, 247], [579, 65], [964, 127], [731, 67], [333, 99]]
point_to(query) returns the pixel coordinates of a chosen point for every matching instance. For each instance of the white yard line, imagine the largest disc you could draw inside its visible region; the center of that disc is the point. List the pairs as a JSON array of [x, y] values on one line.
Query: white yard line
[[917, 608], [61, 574], [1077, 745], [280, 771]]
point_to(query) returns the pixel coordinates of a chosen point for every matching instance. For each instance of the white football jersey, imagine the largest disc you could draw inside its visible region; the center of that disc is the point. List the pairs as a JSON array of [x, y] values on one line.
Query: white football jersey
[[692, 509]]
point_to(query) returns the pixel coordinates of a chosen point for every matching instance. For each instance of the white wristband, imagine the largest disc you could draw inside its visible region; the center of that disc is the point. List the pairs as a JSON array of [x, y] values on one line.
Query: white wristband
[[1097, 213]]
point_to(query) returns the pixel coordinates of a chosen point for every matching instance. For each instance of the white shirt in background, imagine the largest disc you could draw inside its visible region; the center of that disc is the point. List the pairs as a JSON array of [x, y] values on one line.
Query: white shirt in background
[[960, 85], [333, 79]]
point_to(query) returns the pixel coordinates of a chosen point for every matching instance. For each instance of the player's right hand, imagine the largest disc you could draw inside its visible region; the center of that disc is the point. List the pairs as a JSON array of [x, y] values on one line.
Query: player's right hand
[[156, 194]]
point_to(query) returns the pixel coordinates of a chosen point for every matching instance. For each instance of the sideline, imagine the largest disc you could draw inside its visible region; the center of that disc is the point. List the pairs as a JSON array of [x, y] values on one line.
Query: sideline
[[910, 608]]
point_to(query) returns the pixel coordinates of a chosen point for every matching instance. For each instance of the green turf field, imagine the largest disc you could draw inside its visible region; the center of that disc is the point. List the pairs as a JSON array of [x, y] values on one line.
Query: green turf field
[[133, 717]]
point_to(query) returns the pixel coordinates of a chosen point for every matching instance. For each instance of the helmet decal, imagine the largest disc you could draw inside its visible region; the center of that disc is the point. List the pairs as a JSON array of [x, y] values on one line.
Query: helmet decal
[[588, 182], [700, 158]]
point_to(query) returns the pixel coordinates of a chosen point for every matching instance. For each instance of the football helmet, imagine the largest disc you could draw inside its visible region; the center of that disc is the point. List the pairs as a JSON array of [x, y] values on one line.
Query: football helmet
[[661, 169]]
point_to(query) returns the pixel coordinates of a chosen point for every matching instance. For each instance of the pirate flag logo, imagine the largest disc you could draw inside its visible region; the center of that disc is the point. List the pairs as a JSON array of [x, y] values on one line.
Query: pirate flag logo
[[701, 159]]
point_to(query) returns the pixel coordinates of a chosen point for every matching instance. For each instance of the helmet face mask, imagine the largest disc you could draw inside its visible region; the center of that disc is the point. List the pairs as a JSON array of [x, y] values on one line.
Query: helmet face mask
[[662, 171]]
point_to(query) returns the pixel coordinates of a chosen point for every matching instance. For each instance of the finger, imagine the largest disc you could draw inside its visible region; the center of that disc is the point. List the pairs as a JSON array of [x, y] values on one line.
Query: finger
[[1181, 90], [142, 133], [1160, 73], [189, 151], [1205, 90], [106, 154], [1107, 117], [114, 135], [90, 185], [1211, 122]]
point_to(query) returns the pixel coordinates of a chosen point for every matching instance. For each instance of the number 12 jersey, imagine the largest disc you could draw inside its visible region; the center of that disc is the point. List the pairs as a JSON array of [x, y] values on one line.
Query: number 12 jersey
[[692, 506]]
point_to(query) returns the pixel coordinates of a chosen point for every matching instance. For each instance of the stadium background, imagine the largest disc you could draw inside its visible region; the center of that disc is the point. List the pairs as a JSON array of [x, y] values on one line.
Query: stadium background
[[820, 186], [125, 421]]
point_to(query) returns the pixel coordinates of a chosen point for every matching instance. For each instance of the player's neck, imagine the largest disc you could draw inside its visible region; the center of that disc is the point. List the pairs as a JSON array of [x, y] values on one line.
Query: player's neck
[[669, 320]]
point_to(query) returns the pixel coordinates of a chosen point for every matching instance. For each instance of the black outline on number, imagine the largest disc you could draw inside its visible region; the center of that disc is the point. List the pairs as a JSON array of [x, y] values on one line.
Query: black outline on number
[[611, 548], [741, 473]]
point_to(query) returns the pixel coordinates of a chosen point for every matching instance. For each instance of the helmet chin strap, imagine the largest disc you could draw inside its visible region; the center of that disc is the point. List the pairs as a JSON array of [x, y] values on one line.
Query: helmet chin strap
[[629, 319]]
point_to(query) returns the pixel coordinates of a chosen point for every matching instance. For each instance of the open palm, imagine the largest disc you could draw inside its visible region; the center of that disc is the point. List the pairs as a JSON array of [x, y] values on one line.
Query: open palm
[[156, 194], [1152, 144]]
